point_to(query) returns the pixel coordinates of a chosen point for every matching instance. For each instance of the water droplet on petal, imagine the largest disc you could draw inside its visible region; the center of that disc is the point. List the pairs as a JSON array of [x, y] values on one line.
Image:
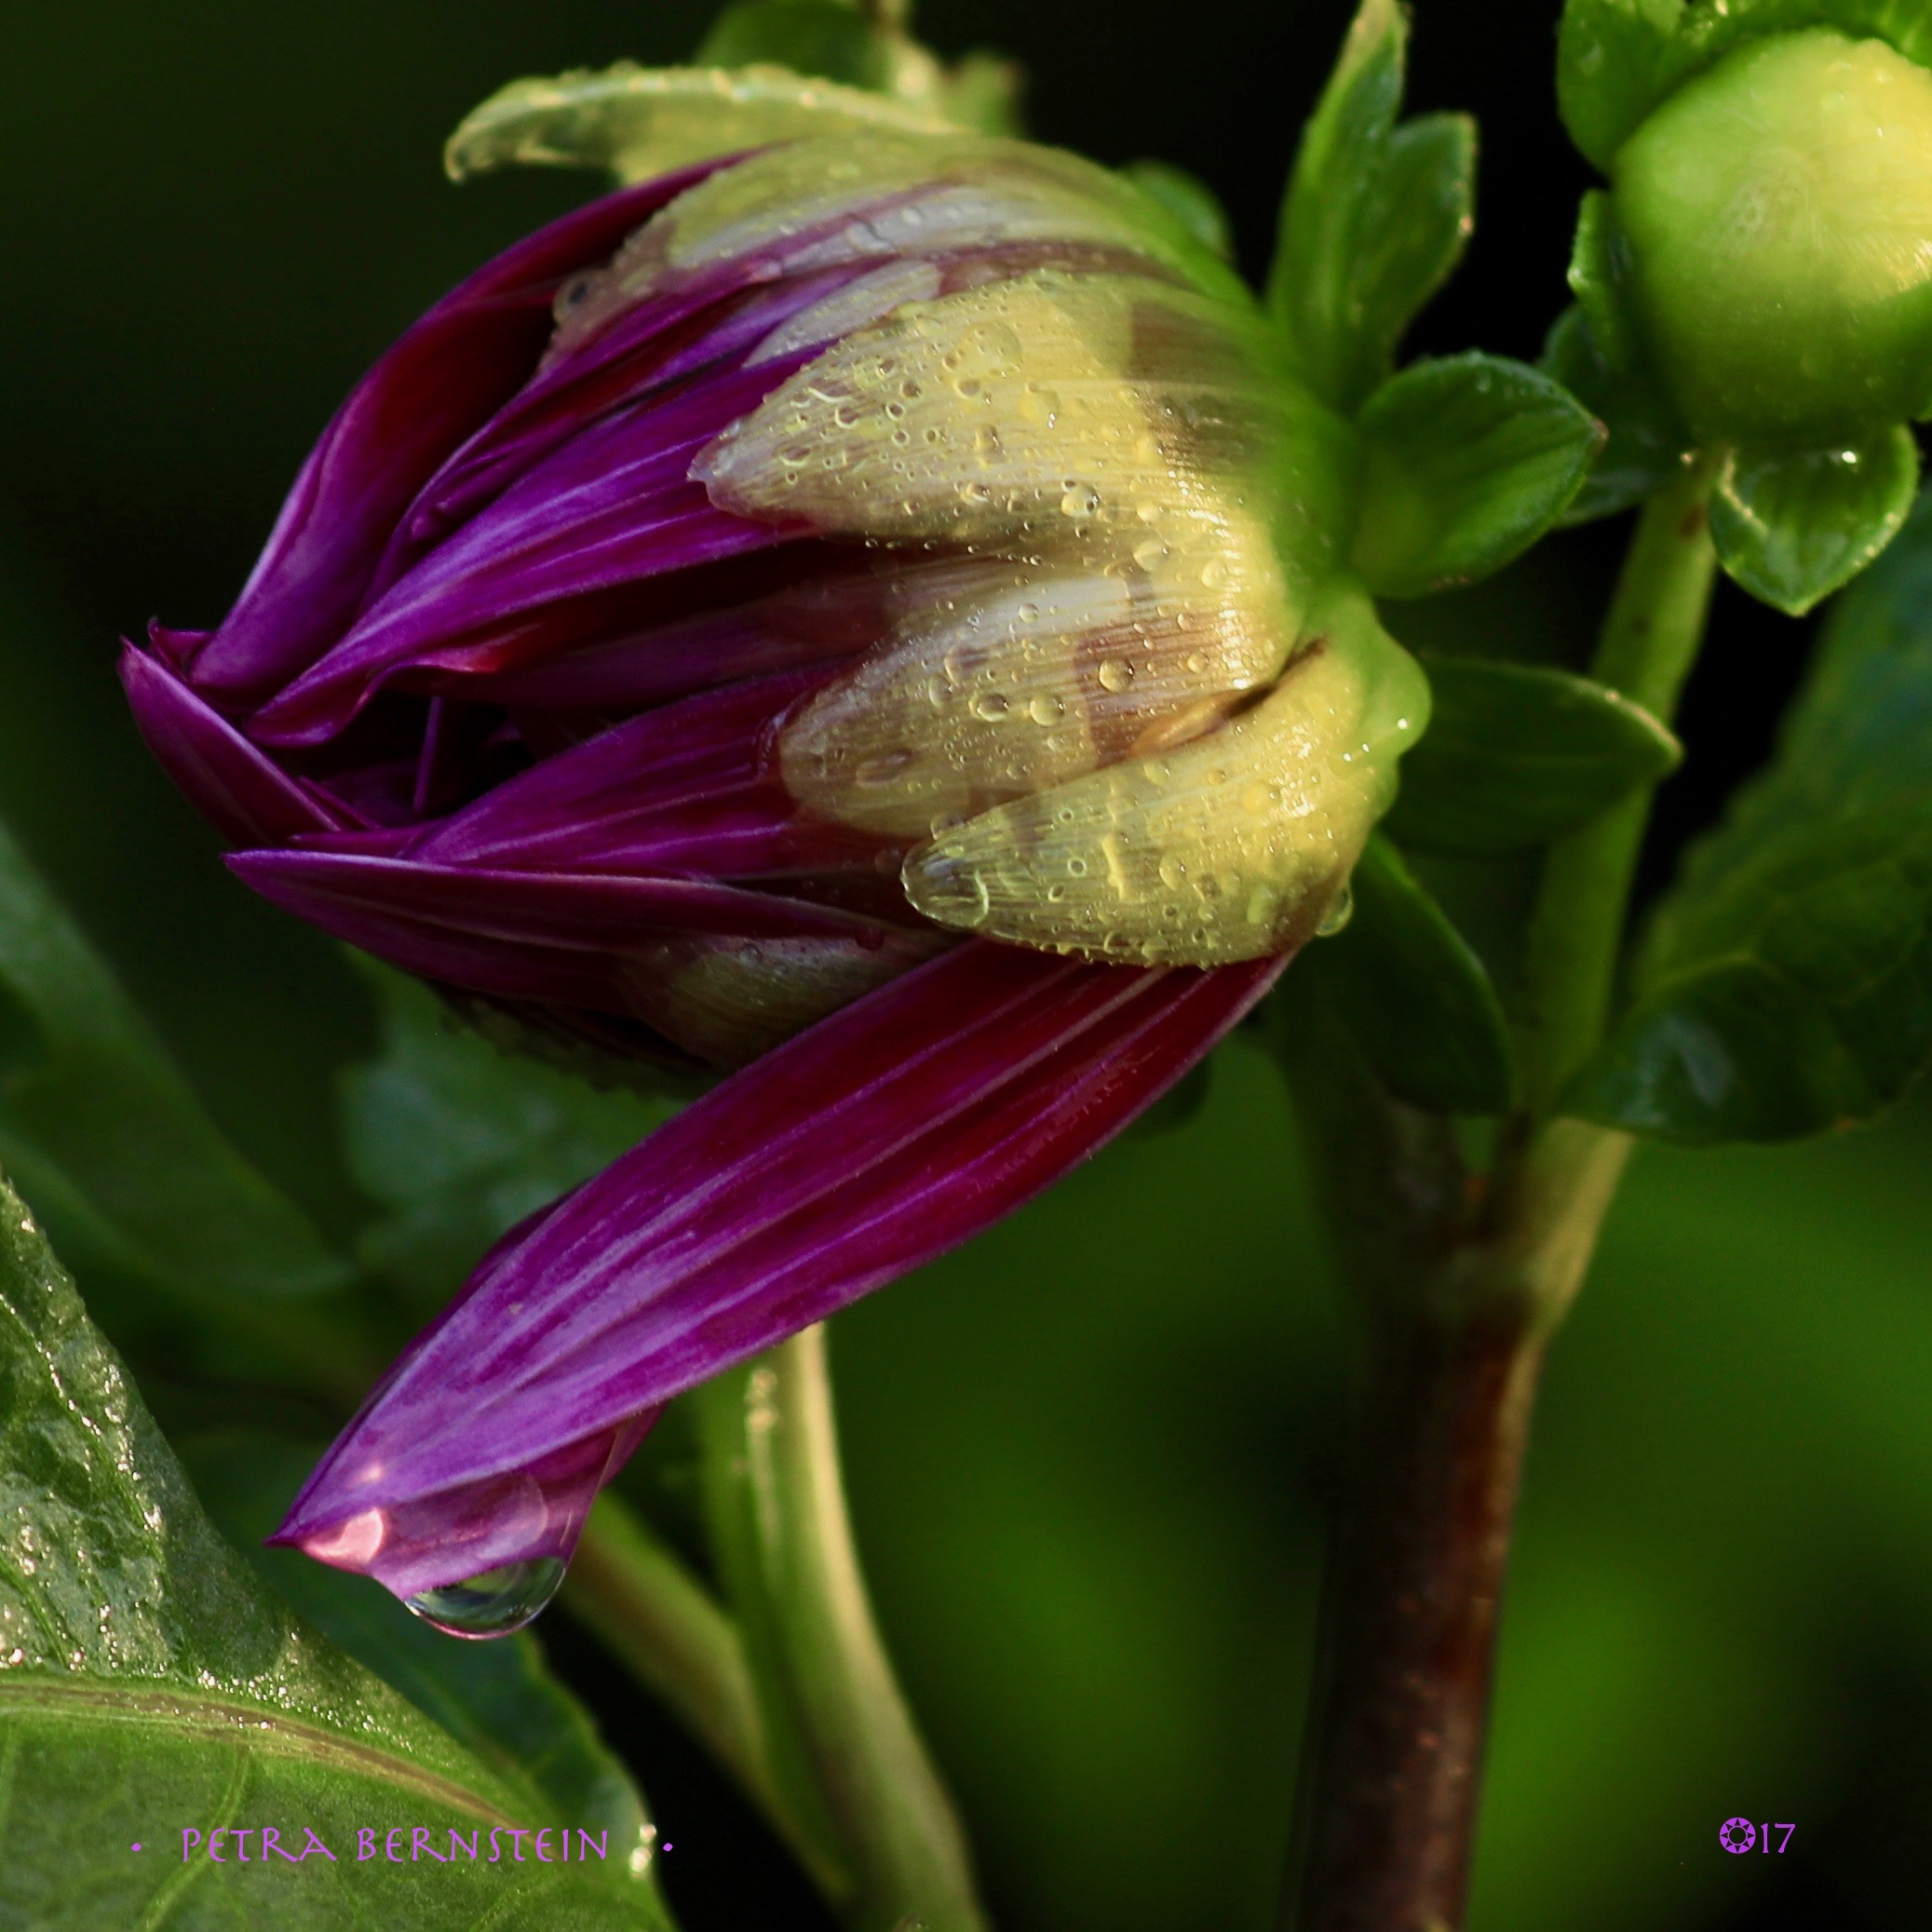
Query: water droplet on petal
[[1341, 911], [493, 1603]]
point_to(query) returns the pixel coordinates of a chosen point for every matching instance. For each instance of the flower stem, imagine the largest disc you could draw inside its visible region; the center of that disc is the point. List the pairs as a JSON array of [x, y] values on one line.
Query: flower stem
[[1458, 1281], [844, 1743]]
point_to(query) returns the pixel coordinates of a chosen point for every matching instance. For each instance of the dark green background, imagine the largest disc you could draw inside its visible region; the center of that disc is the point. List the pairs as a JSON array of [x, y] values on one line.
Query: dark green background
[[1088, 1455]]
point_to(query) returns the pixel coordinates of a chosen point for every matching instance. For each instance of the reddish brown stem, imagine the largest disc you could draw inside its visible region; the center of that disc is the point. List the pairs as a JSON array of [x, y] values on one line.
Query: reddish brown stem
[[1411, 1613]]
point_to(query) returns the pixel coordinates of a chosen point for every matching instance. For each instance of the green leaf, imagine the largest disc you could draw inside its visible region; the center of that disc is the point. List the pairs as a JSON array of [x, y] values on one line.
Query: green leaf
[[1516, 756], [1791, 529], [1189, 199], [1647, 444], [1786, 983], [1376, 216], [1418, 1000], [108, 1139], [498, 1700], [1614, 65], [1466, 461], [459, 1142], [149, 1686], [640, 121], [981, 90]]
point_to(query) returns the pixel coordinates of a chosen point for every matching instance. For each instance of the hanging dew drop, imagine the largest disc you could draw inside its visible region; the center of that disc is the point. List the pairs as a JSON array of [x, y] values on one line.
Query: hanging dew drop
[[1341, 911], [493, 1603]]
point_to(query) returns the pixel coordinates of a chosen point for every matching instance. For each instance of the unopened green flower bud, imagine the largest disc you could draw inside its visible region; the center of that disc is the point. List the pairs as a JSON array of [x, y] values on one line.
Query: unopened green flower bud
[[1778, 210]]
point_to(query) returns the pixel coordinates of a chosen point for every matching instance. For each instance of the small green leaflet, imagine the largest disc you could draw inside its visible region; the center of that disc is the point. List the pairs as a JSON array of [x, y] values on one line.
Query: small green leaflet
[[1417, 999], [1518, 756], [150, 1686], [1786, 983], [1647, 445], [1375, 218], [1793, 529], [1466, 461]]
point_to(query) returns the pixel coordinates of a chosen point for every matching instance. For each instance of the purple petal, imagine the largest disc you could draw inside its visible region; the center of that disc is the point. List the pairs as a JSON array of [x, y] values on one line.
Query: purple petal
[[613, 505], [890, 1133], [689, 788], [570, 938], [247, 799], [449, 373]]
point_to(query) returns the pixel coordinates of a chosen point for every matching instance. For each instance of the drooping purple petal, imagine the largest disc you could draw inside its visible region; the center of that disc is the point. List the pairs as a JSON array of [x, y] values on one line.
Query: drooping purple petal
[[521, 1516], [571, 938], [446, 374], [249, 800], [879, 1139]]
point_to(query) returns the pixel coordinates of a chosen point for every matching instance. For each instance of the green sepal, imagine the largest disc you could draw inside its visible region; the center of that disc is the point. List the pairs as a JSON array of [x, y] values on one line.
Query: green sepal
[[1785, 985], [107, 1138], [636, 122], [1374, 220], [1793, 529], [1466, 461], [1516, 757], [1189, 199], [1647, 443], [1419, 1002], [982, 90], [152, 1682]]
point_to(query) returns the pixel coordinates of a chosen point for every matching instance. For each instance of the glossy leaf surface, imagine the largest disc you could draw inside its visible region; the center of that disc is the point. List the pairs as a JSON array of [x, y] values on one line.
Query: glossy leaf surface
[[152, 1686], [1375, 218], [1793, 529], [1468, 461], [1418, 1000], [107, 1138], [1516, 756], [1786, 985]]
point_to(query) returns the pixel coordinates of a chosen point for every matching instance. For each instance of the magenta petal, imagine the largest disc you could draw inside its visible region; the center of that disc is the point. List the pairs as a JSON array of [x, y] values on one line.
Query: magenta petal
[[568, 936], [444, 377], [249, 800], [520, 1516], [884, 1136]]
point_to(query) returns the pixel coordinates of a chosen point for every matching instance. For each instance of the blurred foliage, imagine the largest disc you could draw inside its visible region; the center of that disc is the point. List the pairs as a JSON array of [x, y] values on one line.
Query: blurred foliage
[[1088, 1455]]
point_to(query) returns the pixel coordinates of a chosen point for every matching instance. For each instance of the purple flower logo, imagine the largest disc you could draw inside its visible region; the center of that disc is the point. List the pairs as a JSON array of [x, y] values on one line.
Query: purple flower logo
[[1737, 1834]]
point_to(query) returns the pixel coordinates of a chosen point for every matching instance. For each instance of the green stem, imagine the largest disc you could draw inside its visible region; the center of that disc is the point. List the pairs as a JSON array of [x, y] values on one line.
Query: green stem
[[840, 1725], [669, 1631], [1458, 1282], [1649, 644]]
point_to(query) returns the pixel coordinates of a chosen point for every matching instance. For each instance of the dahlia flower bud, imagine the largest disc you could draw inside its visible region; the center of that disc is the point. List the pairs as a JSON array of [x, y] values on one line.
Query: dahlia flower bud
[[1778, 215], [780, 577]]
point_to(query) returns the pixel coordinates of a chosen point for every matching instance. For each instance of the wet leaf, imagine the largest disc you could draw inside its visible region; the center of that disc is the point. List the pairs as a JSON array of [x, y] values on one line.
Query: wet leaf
[[1468, 461], [1516, 756], [1793, 529], [1786, 983], [151, 1687]]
